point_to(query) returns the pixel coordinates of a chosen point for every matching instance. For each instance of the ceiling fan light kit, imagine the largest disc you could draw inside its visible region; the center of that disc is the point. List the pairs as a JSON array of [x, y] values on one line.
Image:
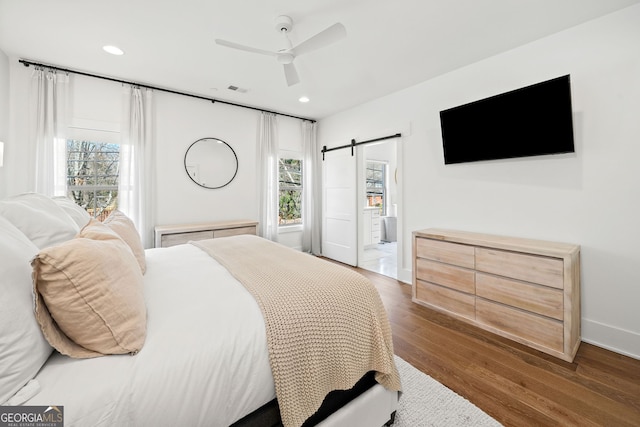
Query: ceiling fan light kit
[[288, 53]]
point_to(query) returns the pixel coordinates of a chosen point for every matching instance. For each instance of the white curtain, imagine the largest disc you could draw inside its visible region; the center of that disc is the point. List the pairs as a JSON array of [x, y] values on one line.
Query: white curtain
[[136, 186], [311, 189], [48, 105], [268, 176]]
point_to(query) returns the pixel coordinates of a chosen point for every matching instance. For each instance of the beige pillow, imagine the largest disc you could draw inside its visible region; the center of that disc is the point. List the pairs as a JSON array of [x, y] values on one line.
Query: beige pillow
[[124, 227], [89, 295]]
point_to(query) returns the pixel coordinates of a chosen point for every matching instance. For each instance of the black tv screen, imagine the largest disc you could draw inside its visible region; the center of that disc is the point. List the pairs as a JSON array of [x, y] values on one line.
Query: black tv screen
[[531, 121]]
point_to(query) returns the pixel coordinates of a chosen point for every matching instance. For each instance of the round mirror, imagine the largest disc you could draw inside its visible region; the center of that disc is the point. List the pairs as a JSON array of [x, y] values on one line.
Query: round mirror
[[211, 163]]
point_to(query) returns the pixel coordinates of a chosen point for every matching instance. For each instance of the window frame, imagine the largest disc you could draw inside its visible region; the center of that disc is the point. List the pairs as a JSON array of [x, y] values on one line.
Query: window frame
[[95, 187], [385, 182], [291, 155]]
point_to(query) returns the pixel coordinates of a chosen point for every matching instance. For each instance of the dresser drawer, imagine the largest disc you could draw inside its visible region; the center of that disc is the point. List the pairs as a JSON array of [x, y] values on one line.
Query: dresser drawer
[[535, 298], [530, 268], [450, 253], [180, 238], [456, 302], [446, 275], [225, 232], [537, 329]]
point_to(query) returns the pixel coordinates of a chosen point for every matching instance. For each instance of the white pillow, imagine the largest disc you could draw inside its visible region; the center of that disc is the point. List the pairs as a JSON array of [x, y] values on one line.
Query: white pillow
[[23, 348], [77, 213], [39, 218]]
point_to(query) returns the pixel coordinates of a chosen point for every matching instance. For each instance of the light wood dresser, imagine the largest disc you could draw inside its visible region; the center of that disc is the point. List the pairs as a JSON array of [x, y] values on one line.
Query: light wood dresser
[[523, 289], [170, 235]]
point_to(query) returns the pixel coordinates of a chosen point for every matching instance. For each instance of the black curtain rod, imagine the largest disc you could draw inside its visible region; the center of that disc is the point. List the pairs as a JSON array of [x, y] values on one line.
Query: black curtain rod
[[53, 67], [355, 144]]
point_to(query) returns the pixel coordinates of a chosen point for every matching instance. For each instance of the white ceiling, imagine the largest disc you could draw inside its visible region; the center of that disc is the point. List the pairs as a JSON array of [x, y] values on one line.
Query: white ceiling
[[390, 44]]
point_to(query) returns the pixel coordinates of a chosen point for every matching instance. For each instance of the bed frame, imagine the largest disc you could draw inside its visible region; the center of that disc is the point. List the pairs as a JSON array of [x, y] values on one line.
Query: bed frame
[[367, 403]]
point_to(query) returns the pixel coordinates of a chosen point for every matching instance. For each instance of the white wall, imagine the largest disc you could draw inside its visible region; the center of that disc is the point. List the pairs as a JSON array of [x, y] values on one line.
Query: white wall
[[4, 111], [591, 198], [180, 120]]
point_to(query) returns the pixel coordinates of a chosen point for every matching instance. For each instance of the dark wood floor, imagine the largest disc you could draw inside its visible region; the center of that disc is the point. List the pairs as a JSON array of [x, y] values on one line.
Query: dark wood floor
[[516, 385]]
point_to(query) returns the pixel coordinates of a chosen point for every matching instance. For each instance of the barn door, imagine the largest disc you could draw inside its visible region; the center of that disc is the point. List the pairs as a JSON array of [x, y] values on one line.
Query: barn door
[[339, 216]]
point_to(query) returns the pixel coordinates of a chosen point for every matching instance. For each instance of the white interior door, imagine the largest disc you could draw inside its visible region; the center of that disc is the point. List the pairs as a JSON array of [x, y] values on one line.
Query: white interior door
[[339, 216]]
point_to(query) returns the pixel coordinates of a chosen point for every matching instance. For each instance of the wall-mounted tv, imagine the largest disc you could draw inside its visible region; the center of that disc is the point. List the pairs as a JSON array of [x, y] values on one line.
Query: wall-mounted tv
[[530, 121]]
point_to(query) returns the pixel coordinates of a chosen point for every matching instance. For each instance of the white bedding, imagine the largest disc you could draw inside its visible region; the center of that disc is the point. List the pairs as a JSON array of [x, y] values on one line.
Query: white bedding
[[205, 342]]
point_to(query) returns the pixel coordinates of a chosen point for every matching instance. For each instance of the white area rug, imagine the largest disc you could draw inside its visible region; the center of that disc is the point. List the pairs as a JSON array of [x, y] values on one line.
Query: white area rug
[[425, 402]]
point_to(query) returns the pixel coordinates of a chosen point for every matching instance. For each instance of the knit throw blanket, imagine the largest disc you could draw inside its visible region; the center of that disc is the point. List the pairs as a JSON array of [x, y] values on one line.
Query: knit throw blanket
[[326, 325]]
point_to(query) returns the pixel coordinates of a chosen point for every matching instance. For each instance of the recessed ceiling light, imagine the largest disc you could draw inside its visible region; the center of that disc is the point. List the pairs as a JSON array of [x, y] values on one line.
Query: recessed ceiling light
[[303, 99], [114, 50]]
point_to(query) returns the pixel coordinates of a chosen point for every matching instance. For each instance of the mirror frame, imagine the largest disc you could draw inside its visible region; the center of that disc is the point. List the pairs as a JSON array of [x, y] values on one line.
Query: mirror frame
[[206, 186]]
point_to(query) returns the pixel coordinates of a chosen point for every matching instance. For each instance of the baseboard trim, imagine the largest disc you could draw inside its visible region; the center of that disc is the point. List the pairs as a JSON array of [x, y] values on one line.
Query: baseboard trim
[[405, 276], [612, 338]]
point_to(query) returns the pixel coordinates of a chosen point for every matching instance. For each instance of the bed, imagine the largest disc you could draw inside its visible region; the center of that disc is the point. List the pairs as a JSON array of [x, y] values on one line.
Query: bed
[[202, 354]]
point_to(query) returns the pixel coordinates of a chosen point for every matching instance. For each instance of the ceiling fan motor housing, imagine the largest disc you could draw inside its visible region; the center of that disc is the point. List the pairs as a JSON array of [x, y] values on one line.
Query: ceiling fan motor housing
[[285, 57], [283, 23]]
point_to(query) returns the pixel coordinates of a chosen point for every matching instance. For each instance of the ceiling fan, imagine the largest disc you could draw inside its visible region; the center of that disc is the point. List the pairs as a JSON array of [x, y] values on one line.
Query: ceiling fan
[[288, 53]]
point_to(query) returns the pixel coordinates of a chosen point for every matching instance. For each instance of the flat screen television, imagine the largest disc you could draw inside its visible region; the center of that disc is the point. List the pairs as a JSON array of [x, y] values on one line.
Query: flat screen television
[[530, 121]]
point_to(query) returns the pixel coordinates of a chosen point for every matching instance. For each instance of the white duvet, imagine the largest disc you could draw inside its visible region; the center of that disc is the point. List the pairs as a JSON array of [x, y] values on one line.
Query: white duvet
[[204, 362]]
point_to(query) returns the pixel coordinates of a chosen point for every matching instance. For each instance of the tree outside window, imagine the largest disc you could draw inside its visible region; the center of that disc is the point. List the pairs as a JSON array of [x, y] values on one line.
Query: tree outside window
[[290, 191], [92, 176]]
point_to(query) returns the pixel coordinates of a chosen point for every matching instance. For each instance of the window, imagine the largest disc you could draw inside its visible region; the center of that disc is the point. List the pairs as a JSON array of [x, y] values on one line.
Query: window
[[92, 176], [377, 185], [290, 191]]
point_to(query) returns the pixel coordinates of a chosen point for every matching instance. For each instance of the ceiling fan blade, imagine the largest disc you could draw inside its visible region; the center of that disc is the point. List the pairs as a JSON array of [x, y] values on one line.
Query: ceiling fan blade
[[324, 38], [291, 74], [245, 48]]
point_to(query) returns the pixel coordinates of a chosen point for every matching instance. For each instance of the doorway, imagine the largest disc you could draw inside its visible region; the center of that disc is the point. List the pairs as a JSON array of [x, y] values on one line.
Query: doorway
[[378, 193]]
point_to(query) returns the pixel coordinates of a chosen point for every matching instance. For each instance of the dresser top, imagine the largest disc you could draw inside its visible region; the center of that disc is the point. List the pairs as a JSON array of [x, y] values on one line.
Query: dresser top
[[539, 247], [218, 225]]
